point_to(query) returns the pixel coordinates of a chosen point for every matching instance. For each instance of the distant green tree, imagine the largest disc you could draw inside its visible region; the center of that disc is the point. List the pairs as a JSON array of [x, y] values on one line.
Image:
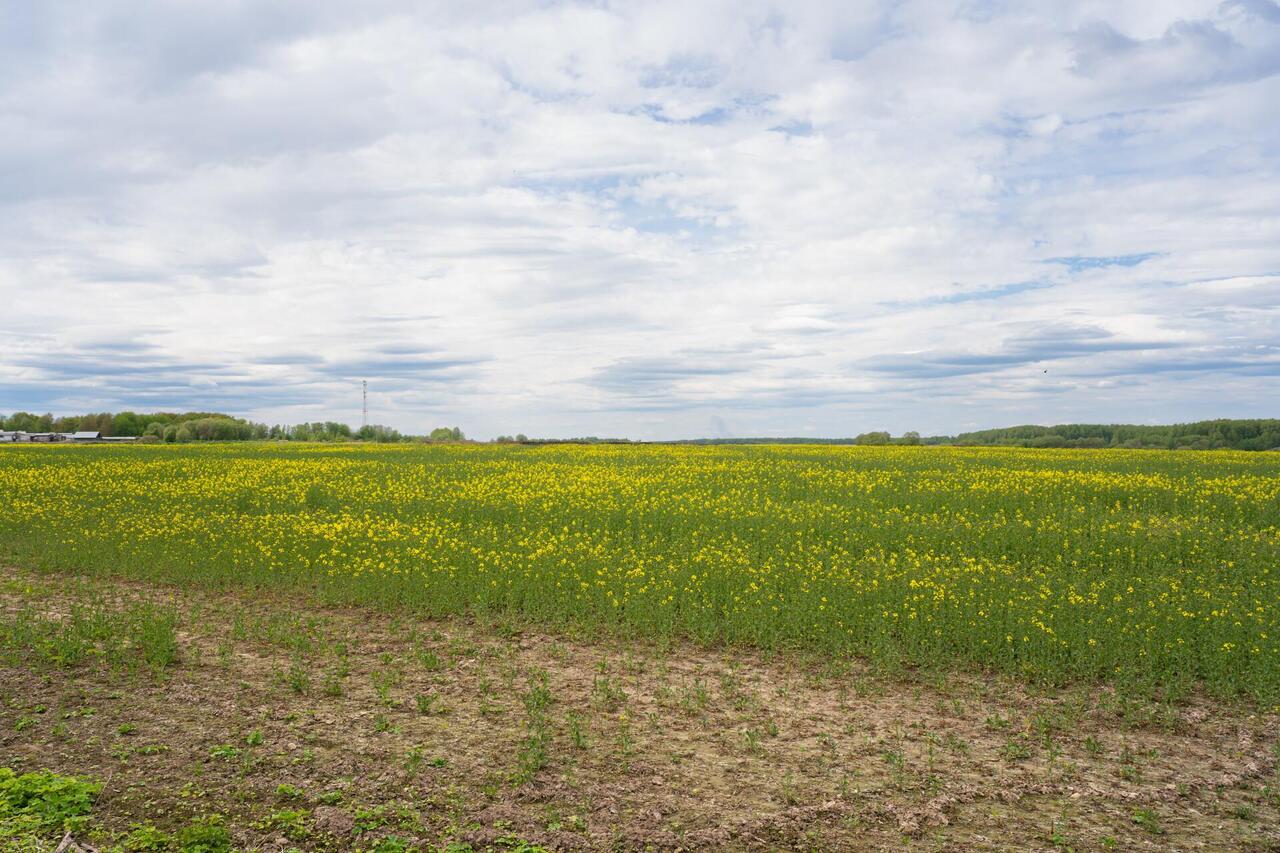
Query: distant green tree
[[127, 423], [23, 422], [873, 438], [69, 423], [378, 433], [100, 422]]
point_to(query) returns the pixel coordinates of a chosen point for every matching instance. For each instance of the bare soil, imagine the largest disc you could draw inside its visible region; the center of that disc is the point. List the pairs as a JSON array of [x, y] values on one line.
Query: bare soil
[[493, 733]]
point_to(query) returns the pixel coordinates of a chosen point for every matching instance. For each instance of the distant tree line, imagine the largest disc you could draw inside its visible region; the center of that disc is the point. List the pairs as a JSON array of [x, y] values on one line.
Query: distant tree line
[[1256, 434], [212, 426], [122, 423], [160, 426], [875, 438], [521, 438]]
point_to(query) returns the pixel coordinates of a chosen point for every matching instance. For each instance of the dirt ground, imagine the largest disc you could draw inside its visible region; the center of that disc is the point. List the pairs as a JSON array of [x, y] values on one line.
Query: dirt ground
[[345, 729]]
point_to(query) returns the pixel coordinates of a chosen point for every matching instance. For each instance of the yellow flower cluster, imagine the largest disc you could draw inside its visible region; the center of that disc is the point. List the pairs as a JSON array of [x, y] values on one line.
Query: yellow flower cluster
[[1157, 568]]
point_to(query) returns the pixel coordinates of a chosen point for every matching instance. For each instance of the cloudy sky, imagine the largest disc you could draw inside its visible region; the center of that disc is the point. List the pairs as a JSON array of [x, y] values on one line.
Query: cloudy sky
[[657, 219]]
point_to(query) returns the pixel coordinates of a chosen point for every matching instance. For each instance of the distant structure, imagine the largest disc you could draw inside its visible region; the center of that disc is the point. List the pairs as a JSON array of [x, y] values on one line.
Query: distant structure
[[81, 437], [364, 403]]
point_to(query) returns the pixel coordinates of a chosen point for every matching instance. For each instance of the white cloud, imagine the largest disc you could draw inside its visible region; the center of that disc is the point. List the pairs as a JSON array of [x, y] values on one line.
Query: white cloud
[[636, 219]]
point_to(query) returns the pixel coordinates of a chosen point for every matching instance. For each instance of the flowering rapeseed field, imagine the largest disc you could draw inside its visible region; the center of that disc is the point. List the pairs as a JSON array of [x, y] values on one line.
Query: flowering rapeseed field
[[1147, 569]]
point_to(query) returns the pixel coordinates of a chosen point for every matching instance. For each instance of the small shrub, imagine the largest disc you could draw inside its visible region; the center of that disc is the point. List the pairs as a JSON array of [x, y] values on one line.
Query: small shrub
[[286, 791], [207, 835], [1148, 820], [289, 822], [995, 722], [332, 685], [143, 838], [577, 733], [532, 755], [154, 635], [298, 679], [1014, 750], [413, 759], [44, 800]]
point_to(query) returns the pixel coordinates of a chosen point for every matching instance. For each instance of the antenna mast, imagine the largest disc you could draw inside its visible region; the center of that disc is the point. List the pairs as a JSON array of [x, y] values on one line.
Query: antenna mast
[[364, 403]]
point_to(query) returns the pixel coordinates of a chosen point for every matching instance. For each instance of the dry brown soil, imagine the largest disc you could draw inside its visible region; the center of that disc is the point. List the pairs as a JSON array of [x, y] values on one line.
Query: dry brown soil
[[442, 732]]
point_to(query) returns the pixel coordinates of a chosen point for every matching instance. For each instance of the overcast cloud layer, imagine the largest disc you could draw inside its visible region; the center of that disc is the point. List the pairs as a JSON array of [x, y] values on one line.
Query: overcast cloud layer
[[654, 219]]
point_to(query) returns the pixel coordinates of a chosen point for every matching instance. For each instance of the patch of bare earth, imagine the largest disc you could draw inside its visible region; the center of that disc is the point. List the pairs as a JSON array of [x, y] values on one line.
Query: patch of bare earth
[[334, 729]]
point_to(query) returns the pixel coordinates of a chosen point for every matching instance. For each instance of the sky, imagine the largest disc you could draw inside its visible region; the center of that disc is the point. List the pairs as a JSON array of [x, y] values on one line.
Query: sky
[[654, 220]]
